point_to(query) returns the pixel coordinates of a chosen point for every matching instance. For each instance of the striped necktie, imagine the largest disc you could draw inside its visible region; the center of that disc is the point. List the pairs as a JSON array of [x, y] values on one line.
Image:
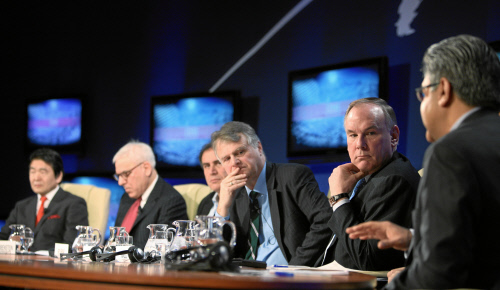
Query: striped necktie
[[253, 242]]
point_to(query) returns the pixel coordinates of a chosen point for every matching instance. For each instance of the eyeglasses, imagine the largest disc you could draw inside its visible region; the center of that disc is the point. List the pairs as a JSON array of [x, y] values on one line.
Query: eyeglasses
[[420, 91], [125, 174]]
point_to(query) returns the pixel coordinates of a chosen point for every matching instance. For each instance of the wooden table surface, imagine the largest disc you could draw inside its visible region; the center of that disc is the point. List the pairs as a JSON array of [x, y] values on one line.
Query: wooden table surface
[[49, 273]]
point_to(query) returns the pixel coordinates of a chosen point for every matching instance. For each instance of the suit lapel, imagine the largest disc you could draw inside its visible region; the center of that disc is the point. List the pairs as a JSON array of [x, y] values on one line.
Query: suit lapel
[[150, 203], [31, 213], [58, 197]]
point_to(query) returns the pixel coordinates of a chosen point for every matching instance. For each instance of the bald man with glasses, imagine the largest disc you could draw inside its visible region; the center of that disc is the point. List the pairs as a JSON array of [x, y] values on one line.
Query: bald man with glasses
[[148, 199]]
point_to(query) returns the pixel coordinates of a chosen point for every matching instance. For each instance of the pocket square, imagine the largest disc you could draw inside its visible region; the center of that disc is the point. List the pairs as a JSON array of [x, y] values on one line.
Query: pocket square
[[54, 216]]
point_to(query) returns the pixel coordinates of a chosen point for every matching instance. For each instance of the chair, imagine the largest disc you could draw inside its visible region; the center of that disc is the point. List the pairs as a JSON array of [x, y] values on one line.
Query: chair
[[421, 172], [97, 199], [192, 193]]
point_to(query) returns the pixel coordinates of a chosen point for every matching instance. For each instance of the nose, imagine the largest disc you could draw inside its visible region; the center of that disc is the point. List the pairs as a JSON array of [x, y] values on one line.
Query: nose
[[234, 162], [361, 142], [212, 170], [121, 180]]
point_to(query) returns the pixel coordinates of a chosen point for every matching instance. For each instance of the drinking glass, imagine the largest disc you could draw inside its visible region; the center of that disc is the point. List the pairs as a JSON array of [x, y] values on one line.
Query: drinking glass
[[162, 243], [123, 243], [88, 241], [28, 240]]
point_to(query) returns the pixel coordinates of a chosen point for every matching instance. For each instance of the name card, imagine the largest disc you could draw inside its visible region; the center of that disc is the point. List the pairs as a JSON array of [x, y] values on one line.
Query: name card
[[7, 247], [59, 249]]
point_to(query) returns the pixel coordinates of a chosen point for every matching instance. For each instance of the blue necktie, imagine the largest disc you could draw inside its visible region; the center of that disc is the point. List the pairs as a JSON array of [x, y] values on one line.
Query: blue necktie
[[357, 188]]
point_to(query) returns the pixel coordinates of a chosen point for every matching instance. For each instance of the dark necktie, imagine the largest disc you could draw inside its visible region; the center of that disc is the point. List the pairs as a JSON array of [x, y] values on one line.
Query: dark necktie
[[41, 210], [253, 241], [131, 215]]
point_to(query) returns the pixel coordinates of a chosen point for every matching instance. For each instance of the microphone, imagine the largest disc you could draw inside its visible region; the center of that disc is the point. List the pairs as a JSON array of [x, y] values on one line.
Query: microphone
[[92, 254], [135, 255]]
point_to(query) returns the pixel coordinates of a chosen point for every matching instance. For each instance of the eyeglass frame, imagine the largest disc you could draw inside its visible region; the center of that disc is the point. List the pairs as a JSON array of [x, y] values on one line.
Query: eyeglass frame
[[125, 174], [420, 91]]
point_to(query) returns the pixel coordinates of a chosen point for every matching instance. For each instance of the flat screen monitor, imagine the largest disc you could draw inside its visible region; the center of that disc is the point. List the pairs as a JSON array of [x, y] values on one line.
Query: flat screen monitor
[[182, 124], [55, 122], [496, 47], [318, 99]]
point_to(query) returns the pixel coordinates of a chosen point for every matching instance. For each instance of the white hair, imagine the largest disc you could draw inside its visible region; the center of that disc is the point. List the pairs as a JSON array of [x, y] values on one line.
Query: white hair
[[136, 150]]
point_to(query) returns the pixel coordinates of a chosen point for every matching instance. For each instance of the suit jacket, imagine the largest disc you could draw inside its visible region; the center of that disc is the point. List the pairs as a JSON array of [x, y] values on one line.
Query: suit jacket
[[388, 195], [206, 204], [299, 213], [58, 224], [164, 205], [458, 210]]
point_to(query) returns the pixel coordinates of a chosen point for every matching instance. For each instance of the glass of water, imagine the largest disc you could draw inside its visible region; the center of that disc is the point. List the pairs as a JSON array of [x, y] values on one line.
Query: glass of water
[[28, 240], [123, 243]]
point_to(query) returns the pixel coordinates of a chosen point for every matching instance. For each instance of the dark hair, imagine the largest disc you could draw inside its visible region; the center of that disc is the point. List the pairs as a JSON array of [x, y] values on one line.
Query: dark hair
[[390, 116], [470, 65], [51, 157], [203, 149]]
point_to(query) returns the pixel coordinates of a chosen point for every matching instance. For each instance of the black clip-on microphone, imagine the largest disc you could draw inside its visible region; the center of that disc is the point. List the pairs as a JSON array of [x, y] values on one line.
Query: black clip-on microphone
[[92, 254], [135, 255]]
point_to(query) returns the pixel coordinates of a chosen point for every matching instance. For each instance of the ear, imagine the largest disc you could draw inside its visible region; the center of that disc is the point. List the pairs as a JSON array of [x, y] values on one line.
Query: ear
[[59, 178], [445, 93], [259, 147], [148, 169], [394, 136]]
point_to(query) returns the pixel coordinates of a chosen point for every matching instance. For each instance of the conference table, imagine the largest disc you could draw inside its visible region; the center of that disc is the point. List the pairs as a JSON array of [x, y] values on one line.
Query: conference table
[[42, 272]]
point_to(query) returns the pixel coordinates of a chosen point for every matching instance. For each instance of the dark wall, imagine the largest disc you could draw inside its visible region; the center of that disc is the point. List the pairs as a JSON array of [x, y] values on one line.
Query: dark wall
[[120, 54]]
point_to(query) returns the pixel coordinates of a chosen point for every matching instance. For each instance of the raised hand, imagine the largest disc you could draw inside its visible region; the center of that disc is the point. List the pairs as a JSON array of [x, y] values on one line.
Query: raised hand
[[228, 186], [389, 234]]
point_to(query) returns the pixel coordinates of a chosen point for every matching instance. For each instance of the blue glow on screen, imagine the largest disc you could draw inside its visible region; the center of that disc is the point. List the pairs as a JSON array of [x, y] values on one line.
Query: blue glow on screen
[[182, 128], [55, 122], [320, 102]]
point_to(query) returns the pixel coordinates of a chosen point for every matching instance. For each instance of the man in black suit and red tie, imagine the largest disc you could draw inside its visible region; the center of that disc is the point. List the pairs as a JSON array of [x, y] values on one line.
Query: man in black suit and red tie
[[457, 215], [53, 213], [148, 199]]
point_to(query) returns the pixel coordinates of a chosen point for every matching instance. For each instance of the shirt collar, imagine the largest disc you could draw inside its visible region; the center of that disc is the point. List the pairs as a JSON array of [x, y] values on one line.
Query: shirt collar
[[49, 195], [147, 193], [463, 117]]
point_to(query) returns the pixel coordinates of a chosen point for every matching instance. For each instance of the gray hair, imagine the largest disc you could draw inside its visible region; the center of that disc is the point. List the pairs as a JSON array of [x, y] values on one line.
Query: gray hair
[[230, 132], [470, 65], [389, 114], [138, 151]]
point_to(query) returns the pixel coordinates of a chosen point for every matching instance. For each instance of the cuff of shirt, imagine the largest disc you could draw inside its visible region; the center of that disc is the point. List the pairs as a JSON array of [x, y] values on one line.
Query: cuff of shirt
[[226, 218], [339, 203]]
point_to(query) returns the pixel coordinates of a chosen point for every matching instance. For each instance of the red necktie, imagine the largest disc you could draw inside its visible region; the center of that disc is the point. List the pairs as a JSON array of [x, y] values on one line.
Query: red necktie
[[39, 215], [131, 215]]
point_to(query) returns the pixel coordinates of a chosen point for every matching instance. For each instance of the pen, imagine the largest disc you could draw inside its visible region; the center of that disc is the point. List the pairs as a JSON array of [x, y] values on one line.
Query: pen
[[283, 274], [280, 266]]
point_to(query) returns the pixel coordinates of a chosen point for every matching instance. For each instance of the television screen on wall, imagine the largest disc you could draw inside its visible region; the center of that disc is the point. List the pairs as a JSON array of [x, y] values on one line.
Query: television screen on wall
[[496, 47], [318, 99], [55, 122], [182, 124]]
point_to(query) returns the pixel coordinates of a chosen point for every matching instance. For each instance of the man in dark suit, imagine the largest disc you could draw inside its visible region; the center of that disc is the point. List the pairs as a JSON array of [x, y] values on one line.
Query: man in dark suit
[[458, 202], [288, 210], [388, 192], [148, 199], [214, 173], [53, 213]]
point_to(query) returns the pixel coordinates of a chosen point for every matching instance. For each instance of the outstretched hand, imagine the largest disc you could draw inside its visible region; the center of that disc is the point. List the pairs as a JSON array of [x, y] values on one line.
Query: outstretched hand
[[389, 234]]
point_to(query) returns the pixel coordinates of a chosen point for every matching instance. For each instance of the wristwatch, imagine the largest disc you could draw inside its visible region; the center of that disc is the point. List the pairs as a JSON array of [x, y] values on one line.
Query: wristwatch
[[335, 198]]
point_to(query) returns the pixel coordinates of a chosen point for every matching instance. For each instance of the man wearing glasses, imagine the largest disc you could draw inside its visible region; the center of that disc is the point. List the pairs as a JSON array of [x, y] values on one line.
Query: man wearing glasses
[[458, 202], [148, 199]]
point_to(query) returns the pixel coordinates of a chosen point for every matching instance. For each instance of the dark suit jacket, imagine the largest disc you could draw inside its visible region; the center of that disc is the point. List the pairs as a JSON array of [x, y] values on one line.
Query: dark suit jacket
[[299, 213], [58, 224], [206, 204], [164, 205], [389, 195], [457, 215]]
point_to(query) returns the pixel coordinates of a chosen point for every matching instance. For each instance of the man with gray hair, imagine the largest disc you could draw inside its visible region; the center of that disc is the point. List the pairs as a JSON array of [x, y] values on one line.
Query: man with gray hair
[[458, 201], [148, 199], [279, 212]]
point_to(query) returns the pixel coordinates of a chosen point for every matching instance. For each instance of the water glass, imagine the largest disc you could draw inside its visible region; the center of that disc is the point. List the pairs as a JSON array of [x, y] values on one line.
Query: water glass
[[123, 243], [29, 238], [88, 242]]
